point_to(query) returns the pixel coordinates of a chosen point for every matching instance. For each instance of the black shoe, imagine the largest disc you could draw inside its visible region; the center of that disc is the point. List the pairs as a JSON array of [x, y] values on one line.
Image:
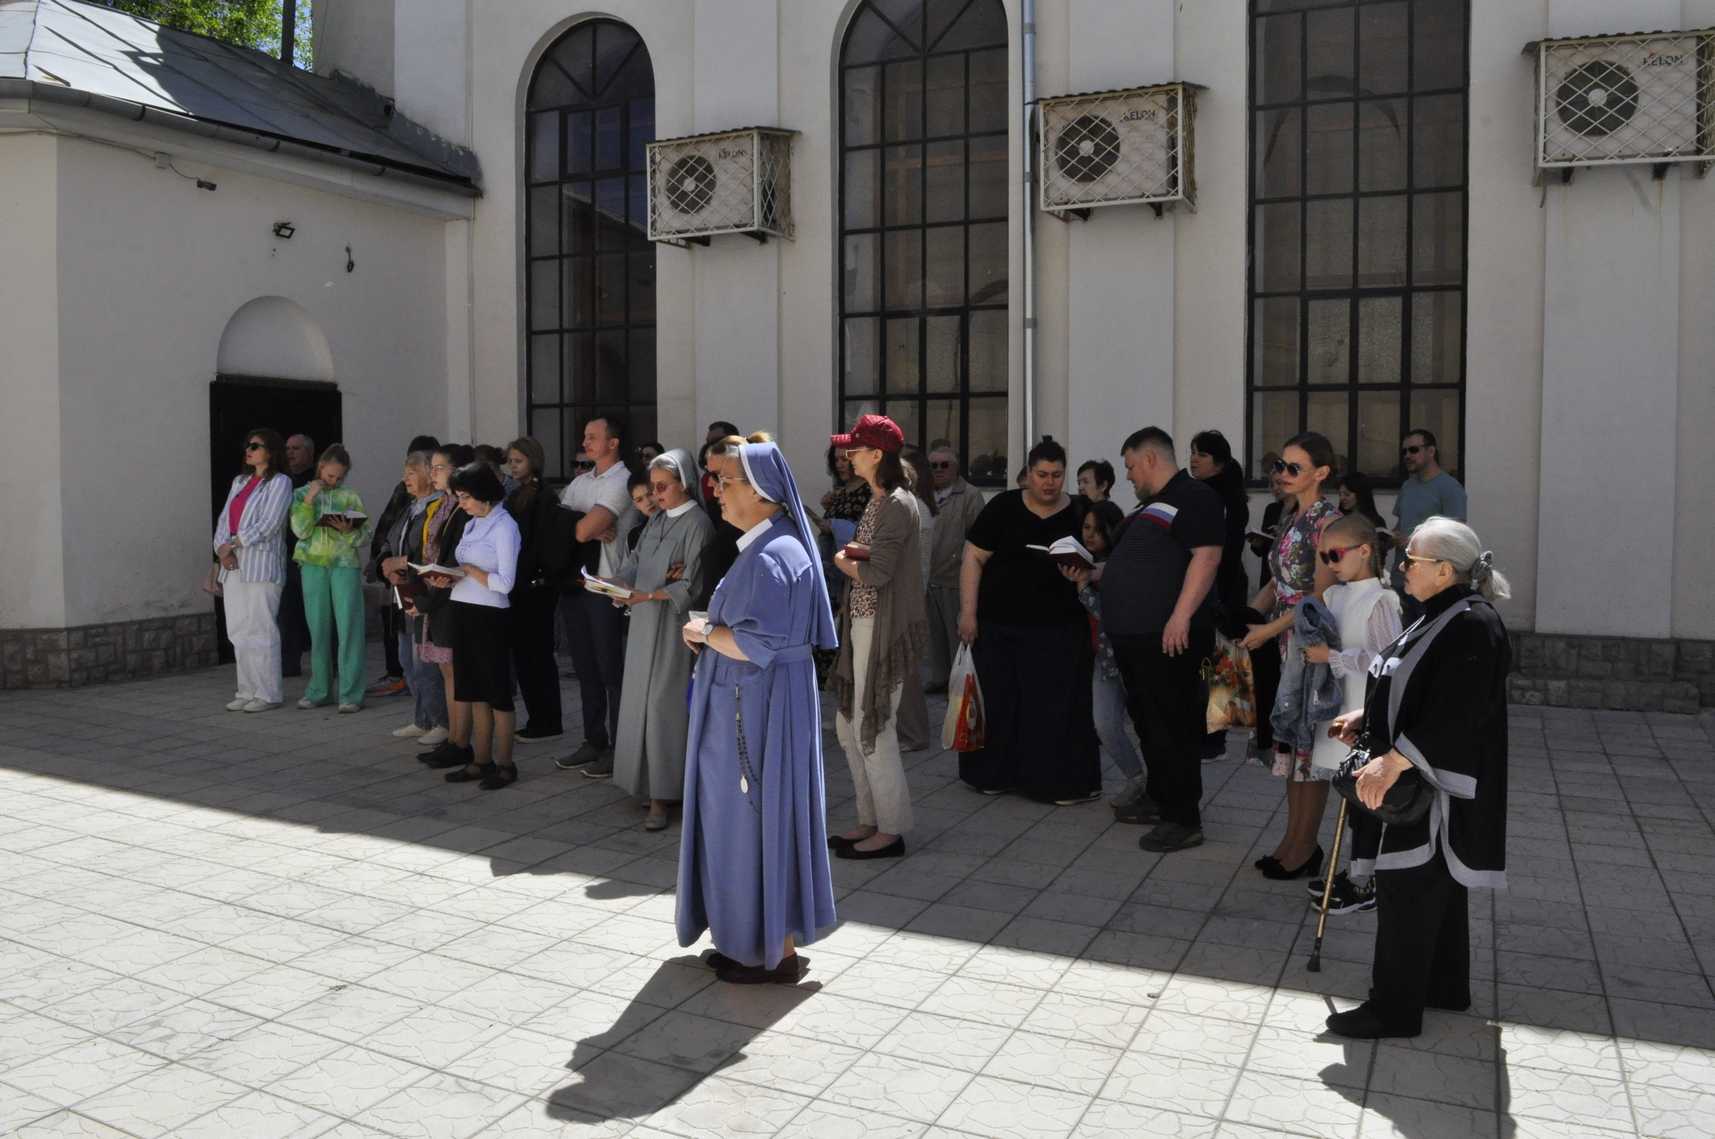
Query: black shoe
[[1077, 800], [499, 775], [1364, 1023], [531, 734], [717, 961], [1169, 837], [448, 754], [837, 842], [988, 790], [1309, 868], [790, 971], [601, 768], [1141, 811], [894, 849], [586, 754], [466, 775], [1347, 896]]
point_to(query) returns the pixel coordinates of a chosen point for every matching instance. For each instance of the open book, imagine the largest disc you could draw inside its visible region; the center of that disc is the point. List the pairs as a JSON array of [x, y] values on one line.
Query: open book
[[449, 571], [605, 588], [1068, 552]]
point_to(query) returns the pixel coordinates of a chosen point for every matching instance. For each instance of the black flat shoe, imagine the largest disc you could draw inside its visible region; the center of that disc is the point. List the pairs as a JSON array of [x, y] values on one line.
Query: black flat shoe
[[499, 776], [1141, 811], [717, 961], [1266, 861], [894, 849], [790, 971], [1309, 868], [466, 775], [841, 842], [445, 754], [1364, 1023]]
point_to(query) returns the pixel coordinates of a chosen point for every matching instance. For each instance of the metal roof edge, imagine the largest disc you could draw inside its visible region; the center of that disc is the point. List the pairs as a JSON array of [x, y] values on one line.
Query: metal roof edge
[[1125, 90], [701, 135], [1659, 33]]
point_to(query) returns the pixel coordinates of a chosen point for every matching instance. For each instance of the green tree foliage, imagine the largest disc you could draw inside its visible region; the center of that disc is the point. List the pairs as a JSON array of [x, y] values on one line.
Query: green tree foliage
[[250, 23]]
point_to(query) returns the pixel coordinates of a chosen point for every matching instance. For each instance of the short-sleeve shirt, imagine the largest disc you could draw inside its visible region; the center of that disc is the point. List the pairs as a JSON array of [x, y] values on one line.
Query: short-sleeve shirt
[[1422, 499], [1146, 570], [1022, 586], [608, 489]]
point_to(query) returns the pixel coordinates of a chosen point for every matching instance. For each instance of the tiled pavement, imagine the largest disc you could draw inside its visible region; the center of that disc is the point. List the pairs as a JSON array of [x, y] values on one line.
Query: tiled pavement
[[236, 926]]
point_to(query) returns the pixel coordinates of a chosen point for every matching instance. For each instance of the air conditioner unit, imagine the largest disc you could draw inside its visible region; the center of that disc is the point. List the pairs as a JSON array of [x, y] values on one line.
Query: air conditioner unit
[[1638, 98], [736, 181], [1114, 148]]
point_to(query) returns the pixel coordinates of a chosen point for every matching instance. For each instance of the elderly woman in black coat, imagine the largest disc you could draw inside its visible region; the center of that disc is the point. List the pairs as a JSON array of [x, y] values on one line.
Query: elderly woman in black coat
[[1436, 708]]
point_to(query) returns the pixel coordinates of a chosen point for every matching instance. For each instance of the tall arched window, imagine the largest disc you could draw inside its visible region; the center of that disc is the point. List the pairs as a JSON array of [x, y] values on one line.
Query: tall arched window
[[590, 286], [923, 224]]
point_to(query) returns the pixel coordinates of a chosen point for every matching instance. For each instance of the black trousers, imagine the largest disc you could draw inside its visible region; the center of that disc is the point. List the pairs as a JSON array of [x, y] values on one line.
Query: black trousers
[[1265, 671], [1423, 944], [1164, 696], [294, 627], [533, 663], [390, 624], [595, 633]]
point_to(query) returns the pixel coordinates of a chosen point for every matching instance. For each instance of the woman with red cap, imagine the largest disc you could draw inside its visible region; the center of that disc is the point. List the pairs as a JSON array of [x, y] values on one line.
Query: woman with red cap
[[883, 629]]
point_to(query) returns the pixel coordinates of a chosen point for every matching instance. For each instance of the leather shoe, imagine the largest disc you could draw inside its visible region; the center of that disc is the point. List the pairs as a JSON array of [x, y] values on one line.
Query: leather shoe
[[466, 775], [1364, 1023], [894, 849], [1309, 868], [790, 971]]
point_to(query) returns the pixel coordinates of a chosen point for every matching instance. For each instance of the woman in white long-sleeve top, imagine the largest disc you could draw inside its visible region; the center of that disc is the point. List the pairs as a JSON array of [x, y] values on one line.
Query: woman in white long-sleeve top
[[666, 574], [250, 541]]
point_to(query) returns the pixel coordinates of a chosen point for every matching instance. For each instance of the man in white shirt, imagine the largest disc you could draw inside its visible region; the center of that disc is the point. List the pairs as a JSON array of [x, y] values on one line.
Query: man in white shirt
[[594, 627]]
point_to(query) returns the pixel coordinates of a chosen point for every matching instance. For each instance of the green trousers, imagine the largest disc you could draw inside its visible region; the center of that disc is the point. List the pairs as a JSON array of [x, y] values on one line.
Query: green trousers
[[333, 600]]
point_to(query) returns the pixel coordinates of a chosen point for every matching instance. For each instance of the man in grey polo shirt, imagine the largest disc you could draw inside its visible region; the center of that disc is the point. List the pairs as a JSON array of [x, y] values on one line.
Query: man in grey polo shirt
[[1427, 491]]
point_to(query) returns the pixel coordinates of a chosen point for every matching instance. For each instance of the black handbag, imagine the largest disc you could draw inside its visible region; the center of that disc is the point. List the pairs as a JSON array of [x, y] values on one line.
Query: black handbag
[[1405, 803]]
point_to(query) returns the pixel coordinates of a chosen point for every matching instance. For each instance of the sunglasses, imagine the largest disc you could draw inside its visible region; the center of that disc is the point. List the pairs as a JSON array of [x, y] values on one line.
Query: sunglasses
[[1332, 557], [1282, 467], [253, 447], [946, 466], [1410, 450], [1412, 559]]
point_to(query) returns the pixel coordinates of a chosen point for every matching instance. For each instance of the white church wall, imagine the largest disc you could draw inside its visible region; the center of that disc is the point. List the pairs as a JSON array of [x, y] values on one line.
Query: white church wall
[[146, 292], [32, 591]]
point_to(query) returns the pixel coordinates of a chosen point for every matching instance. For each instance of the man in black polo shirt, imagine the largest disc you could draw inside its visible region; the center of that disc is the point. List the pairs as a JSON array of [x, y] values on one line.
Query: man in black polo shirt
[[1156, 611]]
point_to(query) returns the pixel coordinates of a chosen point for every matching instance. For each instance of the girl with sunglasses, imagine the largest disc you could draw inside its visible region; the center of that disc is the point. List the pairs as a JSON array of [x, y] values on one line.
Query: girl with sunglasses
[[1305, 465], [1367, 615]]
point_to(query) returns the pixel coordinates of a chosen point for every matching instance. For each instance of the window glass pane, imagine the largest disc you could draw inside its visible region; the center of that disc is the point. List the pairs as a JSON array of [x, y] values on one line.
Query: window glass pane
[[941, 421], [578, 364], [982, 24], [1438, 239], [902, 101], [988, 350], [903, 178], [902, 371], [639, 131], [642, 372], [1274, 419], [545, 368], [544, 221], [863, 106], [1328, 138], [941, 351], [1275, 334], [989, 183], [946, 176], [945, 284], [1279, 62], [610, 214], [1330, 333], [577, 218], [1437, 338], [610, 286], [1381, 241], [988, 264], [544, 147], [578, 296], [1277, 248], [1378, 432], [1437, 410], [1383, 48], [1328, 244], [610, 366], [580, 142], [989, 103], [862, 376], [862, 272], [545, 429], [902, 254], [862, 175], [871, 39], [544, 294], [637, 211], [1330, 46], [986, 443], [946, 96], [1381, 339], [643, 288], [1325, 412], [1438, 141], [906, 413], [1437, 44], [1279, 152], [1381, 144]]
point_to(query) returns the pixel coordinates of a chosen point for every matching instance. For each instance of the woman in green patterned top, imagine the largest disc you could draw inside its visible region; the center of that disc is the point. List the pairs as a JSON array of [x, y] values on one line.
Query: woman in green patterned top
[[330, 523]]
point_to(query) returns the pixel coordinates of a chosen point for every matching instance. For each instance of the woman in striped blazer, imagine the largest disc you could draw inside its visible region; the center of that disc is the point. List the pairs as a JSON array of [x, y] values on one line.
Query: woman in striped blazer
[[250, 541]]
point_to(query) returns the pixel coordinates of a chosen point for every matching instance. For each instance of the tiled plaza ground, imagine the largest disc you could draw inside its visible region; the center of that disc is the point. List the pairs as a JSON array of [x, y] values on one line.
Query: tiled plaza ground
[[252, 926]]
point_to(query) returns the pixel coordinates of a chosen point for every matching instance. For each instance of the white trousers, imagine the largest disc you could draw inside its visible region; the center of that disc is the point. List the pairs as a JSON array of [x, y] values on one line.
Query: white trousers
[[883, 797], [252, 609]]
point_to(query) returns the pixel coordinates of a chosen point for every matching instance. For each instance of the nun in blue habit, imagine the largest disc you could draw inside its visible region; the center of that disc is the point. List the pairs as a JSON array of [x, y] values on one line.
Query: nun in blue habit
[[753, 855]]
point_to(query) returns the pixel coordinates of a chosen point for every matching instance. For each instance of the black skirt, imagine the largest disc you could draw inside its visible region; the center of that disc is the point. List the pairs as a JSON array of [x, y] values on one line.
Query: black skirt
[[482, 654], [1036, 686]]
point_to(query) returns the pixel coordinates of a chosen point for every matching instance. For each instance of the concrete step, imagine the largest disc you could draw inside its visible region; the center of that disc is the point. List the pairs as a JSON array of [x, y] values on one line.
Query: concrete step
[[1566, 690]]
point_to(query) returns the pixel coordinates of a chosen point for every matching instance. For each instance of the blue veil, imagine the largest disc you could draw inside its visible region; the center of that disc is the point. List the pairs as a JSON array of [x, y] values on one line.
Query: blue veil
[[766, 468]]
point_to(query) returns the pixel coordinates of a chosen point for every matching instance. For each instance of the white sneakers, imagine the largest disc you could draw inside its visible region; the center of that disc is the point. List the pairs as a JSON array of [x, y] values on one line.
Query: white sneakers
[[349, 708], [306, 703], [260, 705], [408, 732], [432, 737], [238, 704]]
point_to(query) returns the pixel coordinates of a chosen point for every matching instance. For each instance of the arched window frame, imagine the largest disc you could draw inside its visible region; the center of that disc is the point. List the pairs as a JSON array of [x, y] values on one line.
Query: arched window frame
[[923, 178], [590, 272]]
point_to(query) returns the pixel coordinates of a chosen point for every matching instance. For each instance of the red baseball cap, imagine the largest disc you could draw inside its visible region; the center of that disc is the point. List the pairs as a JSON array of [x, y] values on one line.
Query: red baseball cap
[[876, 431]]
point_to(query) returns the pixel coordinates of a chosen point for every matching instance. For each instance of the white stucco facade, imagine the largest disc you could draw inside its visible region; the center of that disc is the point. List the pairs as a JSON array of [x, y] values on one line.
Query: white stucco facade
[[1589, 338]]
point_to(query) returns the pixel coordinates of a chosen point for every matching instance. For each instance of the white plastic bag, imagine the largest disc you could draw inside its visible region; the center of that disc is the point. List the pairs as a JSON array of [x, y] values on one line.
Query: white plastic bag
[[965, 728]]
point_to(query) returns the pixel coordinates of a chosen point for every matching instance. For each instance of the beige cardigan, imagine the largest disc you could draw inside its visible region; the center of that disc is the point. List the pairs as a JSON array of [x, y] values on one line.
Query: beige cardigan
[[895, 570]]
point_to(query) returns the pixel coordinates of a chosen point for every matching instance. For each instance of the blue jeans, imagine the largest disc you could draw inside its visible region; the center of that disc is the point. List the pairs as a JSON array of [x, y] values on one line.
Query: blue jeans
[[1108, 694], [428, 689]]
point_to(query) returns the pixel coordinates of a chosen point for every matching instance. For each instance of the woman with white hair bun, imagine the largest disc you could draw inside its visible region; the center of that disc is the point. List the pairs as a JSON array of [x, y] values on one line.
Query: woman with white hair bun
[[1435, 722]]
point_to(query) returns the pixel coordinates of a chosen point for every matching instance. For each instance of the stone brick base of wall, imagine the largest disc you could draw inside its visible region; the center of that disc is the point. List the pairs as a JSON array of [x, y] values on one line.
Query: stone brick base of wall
[[93, 654], [1613, 672]]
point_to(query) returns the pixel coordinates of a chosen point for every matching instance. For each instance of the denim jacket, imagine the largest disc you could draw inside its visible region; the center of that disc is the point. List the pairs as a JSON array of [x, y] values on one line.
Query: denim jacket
[[1309, 694]]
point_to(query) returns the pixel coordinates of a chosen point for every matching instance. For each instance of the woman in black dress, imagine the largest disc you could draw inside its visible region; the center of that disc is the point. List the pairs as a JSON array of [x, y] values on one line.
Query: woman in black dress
[[1030, 642], [1438, 710]]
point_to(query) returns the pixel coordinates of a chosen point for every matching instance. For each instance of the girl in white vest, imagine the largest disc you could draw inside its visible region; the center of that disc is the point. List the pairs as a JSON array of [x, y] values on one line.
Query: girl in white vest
[[1368, 614]]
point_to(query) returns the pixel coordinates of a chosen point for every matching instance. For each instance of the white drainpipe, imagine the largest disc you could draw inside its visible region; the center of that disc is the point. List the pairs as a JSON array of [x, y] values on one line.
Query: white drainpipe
[[1028, 121]]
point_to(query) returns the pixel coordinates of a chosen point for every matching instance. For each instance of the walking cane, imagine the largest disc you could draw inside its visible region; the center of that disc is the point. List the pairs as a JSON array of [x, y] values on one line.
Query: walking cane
[[1315, 962]]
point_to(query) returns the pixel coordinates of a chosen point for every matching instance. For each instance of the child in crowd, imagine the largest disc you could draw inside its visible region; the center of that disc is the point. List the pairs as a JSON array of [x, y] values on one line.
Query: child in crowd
[[1101, 525], [645, 503], [1368, 616]]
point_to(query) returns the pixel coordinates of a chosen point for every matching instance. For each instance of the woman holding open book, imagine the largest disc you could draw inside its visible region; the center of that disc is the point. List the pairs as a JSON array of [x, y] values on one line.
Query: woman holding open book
[[883, 631], [663, 575], [330, 523]]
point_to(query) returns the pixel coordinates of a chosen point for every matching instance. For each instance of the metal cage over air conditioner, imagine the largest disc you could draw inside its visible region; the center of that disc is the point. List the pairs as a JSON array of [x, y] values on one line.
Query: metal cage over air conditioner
[[736, 181], [1642, 98], [1115, 148]]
